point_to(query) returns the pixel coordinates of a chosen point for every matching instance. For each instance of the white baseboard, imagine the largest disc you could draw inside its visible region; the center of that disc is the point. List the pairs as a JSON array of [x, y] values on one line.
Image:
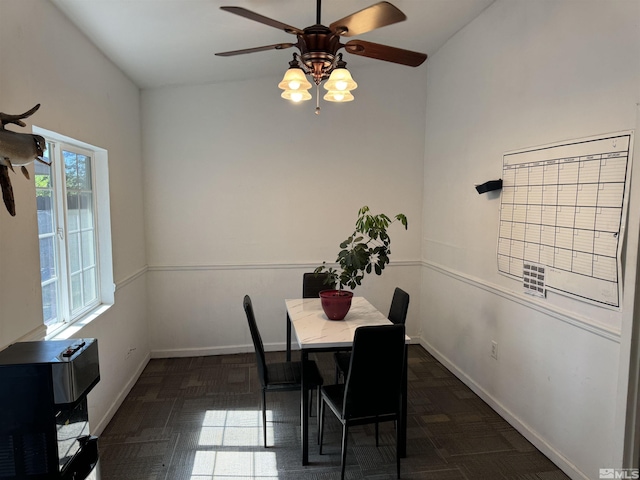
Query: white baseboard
[[206, 351], [524, 429]]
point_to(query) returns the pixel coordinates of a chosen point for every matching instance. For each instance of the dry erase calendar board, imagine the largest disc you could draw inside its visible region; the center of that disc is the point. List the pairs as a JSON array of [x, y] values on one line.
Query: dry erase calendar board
[[562, 212]]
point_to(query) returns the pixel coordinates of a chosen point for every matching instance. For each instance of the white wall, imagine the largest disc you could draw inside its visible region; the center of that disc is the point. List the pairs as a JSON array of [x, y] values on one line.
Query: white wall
[[45, 59], [244, 192], [524, 74]]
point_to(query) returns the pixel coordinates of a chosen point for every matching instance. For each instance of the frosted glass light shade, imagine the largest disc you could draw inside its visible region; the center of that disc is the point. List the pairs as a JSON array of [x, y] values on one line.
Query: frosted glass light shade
[[340, 80], [294, 79], [296, 95], [338, 96]]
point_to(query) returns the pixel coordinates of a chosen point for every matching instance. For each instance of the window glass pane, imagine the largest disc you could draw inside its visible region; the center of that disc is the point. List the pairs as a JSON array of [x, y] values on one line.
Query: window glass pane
[[88, 250], [84, 172], [73, 211], [90, 291], [71, 170], [86, 210], [74, 253], [76, 291], [47, 258], [43, 173], [50, 303], [44, 202]]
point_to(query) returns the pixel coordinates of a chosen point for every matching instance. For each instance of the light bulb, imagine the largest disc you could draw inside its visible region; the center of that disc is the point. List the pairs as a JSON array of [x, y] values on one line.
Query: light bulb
[[338, 97], [296, 96], [293, 85]]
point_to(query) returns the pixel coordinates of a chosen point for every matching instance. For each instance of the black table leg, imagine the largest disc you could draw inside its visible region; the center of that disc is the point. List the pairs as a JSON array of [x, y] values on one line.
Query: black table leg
[[288, 338], [304, 413]]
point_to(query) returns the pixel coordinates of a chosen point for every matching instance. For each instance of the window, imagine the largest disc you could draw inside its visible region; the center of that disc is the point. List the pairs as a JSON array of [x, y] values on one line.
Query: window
[[75, 254]]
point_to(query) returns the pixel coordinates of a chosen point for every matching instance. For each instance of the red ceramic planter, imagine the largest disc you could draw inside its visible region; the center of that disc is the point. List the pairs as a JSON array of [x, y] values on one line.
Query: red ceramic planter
[[336, 303]]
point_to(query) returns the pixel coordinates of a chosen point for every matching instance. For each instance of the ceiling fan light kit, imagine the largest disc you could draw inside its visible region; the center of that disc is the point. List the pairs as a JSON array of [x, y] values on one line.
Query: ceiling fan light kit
[[340, 80], [294, 79], [296, 95], [295, 83], [338, 96], [319, 45]]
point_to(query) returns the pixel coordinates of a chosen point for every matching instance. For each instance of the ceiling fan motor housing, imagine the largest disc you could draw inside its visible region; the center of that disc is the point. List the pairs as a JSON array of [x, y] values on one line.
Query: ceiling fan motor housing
[[318, 46]]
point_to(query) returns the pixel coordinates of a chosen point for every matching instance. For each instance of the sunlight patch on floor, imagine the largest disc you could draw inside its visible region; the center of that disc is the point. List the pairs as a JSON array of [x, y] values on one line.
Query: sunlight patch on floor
[[223, 465], [234, 428], [229, 428]]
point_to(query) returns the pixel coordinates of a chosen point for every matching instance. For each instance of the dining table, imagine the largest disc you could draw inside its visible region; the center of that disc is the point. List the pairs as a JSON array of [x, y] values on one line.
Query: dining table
[[314, 332]]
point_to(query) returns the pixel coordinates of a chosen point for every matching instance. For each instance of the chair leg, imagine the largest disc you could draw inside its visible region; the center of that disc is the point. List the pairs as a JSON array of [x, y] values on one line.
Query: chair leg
[[318, 405], [398, 452], [264, 416], [345, 432], [321, 426]]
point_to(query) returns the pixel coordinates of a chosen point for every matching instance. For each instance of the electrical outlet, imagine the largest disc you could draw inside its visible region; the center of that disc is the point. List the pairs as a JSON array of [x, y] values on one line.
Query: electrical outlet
[[494, 349]]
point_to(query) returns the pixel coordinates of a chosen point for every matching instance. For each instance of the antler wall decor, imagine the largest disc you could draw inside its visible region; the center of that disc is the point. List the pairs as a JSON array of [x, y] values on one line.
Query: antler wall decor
[[19, 150]]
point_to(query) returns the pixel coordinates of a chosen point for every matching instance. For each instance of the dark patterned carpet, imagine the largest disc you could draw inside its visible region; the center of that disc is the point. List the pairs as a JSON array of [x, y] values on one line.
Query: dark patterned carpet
[[200, 419]]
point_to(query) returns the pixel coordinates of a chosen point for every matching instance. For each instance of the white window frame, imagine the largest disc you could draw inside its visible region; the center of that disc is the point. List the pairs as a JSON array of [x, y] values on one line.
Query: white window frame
[[102, 225]]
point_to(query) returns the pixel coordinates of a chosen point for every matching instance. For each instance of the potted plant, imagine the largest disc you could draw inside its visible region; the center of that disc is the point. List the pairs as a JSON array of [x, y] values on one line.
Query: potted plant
[[366, 250]]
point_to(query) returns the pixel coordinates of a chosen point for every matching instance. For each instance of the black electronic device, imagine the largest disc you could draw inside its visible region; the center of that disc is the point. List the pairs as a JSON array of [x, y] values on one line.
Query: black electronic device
[[44, 426]]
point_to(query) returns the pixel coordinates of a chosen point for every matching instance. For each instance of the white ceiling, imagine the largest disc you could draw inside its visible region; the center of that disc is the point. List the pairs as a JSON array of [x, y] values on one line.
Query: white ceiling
[[173, 42]]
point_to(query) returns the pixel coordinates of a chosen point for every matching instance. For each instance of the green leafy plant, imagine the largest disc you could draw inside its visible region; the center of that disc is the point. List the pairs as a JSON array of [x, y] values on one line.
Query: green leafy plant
[[366, 250]]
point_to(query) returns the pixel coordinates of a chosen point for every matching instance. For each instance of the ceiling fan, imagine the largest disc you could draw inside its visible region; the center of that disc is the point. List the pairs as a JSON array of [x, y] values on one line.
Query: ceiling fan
[[318, 45]]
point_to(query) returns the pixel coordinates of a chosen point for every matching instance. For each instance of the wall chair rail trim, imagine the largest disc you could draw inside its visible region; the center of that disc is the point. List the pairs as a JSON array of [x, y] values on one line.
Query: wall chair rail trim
[[262, 266], [579, 321], [127, 280]]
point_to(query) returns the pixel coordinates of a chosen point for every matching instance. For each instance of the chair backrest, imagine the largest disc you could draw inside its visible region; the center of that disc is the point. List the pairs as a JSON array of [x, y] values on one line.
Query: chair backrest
[[313, 284], [257, 340], [374, 381], [399, 306]]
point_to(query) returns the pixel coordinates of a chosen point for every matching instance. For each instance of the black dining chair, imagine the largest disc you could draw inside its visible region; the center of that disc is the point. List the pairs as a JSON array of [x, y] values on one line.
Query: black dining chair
[[397, 315], [372, 392], [399, 306], [313, 284], [278, 377]]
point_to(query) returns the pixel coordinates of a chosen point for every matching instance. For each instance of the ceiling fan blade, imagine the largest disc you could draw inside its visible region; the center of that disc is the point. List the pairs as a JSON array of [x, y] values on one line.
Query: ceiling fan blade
[[385, 52], [370, 18], [243, 12], [276, 46]]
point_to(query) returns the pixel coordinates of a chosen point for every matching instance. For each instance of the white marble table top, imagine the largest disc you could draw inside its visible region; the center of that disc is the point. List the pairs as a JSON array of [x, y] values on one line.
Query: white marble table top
[[314, 330]]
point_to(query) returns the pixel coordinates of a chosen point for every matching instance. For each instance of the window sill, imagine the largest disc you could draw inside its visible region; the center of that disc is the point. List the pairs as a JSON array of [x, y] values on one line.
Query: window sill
[[69, 330]]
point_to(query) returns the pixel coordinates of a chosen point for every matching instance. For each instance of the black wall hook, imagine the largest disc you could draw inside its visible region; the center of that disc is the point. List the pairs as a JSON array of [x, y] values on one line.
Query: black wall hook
[[489, 186]]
